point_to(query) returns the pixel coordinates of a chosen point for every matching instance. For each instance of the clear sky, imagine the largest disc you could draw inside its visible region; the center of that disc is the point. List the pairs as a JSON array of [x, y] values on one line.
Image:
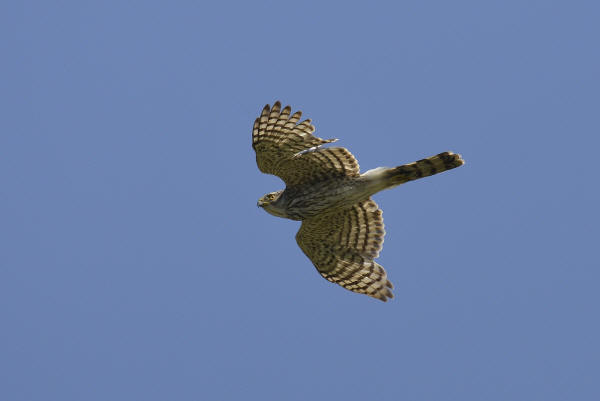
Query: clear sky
[[135, 265]]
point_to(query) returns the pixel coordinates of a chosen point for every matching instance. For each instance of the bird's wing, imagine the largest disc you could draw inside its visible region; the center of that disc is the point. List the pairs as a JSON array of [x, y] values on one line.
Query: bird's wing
[[342, 246], [289, 150]]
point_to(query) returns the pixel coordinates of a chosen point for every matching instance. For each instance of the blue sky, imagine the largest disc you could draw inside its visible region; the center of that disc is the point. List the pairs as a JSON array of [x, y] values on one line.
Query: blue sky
[[135, 265]]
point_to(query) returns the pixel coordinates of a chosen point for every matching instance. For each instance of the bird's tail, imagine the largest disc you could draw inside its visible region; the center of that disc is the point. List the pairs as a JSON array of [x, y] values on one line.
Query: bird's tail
[[423, 168], [390, 177]]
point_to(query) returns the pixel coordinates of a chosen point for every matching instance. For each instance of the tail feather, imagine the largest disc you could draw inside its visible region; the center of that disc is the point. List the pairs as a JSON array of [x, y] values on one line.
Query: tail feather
[[422, 168]]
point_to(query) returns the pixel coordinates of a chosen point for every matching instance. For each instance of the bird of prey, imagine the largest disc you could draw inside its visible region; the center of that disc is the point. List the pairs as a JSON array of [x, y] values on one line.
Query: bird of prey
[[342, 227]]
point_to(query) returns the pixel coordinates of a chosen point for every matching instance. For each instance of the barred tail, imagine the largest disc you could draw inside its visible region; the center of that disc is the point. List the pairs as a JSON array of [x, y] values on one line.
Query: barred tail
[[422, 168]]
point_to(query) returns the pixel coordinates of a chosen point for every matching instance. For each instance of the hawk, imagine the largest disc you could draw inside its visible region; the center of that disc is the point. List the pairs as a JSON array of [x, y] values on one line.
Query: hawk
[[342, 228]]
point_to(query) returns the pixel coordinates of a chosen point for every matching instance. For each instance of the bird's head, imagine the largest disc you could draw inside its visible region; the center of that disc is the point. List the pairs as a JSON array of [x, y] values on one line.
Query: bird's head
[[269, 203], [269, 198]]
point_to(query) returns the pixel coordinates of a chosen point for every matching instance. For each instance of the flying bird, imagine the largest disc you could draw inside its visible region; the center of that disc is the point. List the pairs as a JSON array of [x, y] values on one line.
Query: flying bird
[[342, 227]]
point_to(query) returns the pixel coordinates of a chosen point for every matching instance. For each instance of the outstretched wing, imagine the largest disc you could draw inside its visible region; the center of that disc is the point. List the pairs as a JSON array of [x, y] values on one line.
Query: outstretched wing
[[342, 246], [288, 149]]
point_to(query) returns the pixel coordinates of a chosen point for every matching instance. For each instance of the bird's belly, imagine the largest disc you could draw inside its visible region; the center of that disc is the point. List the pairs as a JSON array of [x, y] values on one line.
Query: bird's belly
[[324, 198]]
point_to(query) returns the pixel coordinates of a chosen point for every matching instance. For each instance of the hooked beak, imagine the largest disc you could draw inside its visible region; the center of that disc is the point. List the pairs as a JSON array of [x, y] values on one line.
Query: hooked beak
[[259, 203]]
